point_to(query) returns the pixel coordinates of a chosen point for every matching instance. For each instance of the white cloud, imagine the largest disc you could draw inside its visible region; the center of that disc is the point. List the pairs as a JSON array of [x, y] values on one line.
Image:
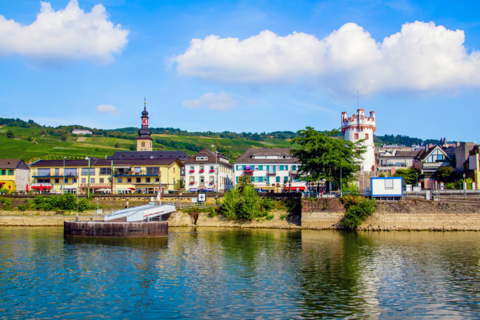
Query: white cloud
[[421, 57], [219, 102], [107, 108], [64, 35]]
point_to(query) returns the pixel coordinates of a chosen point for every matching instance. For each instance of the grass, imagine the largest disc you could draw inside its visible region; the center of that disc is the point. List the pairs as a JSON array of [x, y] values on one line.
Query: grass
[[44, 146]]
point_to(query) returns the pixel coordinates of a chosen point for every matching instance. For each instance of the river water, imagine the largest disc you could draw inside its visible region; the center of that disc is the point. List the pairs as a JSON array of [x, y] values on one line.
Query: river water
[[234, 273]]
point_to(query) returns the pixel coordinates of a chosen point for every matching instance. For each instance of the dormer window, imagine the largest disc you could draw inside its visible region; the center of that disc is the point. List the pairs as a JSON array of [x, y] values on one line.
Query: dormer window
[[201, 158]]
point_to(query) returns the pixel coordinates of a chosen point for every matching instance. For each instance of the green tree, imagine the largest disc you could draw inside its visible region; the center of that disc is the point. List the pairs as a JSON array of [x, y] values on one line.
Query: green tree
[[445, 174], [117, 144], [10, 134], [323, 157], [409, 175], [64, 138], [132, 147]]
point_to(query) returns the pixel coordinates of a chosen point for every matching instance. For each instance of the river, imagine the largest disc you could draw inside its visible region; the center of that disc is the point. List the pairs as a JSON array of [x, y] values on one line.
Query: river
[[240, 273]]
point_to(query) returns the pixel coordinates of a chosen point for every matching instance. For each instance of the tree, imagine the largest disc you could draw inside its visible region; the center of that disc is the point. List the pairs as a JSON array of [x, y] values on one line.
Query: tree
[[117, 144], [409, 175], [445, 174], [132, 147], [10, 134], [64, 138], [323, 157]]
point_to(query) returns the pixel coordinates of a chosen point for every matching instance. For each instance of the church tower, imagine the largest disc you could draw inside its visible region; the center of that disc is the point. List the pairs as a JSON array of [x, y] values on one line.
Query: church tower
[[144, 142], [360, 127]]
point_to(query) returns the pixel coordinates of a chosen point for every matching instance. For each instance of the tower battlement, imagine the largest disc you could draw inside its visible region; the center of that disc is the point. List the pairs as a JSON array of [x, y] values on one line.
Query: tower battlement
[[358, 119]]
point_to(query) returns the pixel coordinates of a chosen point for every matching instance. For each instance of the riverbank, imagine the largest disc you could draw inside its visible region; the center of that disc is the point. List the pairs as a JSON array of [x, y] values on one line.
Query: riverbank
[[320, 214]]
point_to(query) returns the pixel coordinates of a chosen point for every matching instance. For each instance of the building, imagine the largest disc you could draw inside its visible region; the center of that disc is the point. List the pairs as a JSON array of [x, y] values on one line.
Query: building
[[144, 142], [428, 164], [81, 131], [392, 160], [14, 175], [129, 175], [271, 169], [208, 170], [359, 127]]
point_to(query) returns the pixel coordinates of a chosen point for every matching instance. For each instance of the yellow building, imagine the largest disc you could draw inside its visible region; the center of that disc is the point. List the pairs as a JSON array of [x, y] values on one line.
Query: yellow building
[[103, 176], [14, 175]]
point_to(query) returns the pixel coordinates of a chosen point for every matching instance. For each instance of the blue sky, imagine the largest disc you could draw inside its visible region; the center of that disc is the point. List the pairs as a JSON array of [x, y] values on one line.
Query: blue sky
[[255, 66]]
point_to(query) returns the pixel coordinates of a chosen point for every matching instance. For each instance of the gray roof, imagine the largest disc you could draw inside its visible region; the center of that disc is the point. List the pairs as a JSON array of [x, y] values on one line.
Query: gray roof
[[247, 156], [123, 155], [211, 158], [410, 154], [12, 164]]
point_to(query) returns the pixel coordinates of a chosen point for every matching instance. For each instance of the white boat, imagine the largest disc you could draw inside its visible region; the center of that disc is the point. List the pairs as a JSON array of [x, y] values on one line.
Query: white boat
[[140, 213]]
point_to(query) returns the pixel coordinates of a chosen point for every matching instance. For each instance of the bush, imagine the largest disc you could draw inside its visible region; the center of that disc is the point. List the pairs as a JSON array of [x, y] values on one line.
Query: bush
[[283, 216], [267, 204], [84, 205], [357, 210], [270, 217], [7, 203], [21, 207], [241, 203]]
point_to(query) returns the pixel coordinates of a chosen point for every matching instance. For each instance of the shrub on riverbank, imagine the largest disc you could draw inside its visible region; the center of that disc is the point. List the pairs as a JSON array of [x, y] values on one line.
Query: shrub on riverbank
[[7, 203], [67, 202], [358, 209], [245, 204]]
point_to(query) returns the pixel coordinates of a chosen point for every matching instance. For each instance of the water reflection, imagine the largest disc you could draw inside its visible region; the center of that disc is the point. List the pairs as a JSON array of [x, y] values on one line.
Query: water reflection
[[240, 273]]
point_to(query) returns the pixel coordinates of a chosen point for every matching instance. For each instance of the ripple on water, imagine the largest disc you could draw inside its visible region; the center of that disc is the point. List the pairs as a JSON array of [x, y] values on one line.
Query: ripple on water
[[229, 273]]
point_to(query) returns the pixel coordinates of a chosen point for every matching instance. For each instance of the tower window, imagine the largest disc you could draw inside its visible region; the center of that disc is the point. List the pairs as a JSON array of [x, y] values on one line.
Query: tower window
[[143, 144], [366, 135], [356, 136]]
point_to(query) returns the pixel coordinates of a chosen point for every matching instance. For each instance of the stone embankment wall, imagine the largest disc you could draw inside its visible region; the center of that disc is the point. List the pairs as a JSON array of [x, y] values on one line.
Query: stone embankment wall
[[401, 215], [37, 221]]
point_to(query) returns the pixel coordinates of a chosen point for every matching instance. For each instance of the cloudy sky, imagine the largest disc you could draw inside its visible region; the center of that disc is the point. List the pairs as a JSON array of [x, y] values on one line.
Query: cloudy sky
[[240, 66]]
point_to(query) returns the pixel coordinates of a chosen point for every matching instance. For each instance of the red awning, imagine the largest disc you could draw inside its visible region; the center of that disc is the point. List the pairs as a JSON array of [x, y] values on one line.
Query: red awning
[[295, 188], [43, 187], [131, 188]]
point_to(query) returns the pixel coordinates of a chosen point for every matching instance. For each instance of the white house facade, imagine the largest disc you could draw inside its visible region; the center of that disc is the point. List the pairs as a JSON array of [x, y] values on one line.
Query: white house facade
[[208, 170], [272, 169]]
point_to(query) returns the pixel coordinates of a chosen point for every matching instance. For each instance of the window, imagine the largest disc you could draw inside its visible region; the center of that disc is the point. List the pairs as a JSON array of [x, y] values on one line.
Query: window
[[173, 180], [294, 167], [253, 179], [85, 171], [137, 170], [260, 167], [84, 180], [285, 178], [119, 180], [92, 180], [57, 180], [173, 169], [143, 144], [71, 172], [105, 171], [154, 170], [236, 167], [41, 172], [202, 179], [355, 136], [129, 180], [57, 171], [286, 168], [10, 172], [147, 180], [243, 167], [281, 168], [139, 180], [260, 179], [366, 135], [237, 179], [74, 180], [278, 179], [268, 179], [388, 184], [4, 172], [157, 179], [65, 181], [43, 180], [102, 180]]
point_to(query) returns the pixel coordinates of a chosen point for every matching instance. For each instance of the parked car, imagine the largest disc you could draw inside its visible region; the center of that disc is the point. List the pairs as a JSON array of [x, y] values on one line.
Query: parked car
[[260, 190]]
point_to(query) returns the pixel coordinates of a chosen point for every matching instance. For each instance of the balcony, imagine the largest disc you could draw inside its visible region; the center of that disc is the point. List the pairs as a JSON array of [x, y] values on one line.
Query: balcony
[[248, 171], [96, 185], [201, 171], [293, 172], [135, 174], [48, 175], [271, 173], [403, 165], [192, 183], [191, 171], [212, 171]]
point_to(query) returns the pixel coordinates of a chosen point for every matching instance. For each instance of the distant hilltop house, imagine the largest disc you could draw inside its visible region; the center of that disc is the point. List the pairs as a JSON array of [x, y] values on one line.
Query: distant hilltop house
[[81, 131]]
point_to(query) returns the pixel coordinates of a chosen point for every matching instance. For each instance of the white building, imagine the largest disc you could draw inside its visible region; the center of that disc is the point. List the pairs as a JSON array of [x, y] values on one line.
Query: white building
[[208, 170], [270, 169], [81, 131], [359, 127]]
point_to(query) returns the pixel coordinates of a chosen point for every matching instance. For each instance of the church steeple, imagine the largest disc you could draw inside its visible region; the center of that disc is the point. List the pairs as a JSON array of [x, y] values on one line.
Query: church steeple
[[144, 142]]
